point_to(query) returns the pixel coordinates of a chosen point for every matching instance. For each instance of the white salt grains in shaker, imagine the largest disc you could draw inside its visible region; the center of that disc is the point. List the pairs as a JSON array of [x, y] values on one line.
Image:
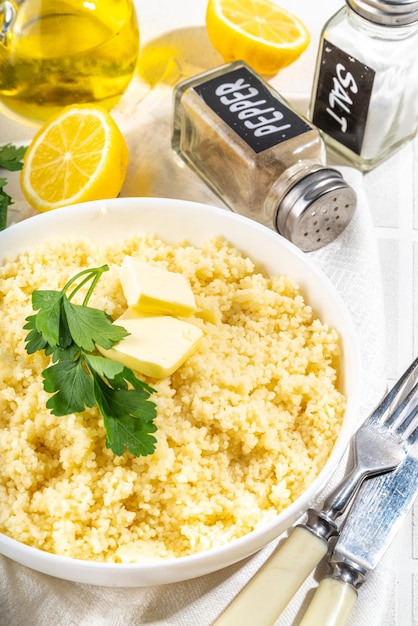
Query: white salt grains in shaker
[[259, 156], [365, 89]]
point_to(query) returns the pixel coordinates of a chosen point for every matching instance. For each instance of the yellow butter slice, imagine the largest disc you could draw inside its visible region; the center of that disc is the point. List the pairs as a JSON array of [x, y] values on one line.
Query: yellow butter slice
[[153, 289], [157, 346]]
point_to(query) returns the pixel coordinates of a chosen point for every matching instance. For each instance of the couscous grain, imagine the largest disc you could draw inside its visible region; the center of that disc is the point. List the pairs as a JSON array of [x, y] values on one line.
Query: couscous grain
[[244, 426]]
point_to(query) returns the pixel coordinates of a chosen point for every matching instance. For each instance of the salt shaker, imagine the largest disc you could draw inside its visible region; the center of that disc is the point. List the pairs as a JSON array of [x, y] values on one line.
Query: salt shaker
[[365, 88], [262, 158]]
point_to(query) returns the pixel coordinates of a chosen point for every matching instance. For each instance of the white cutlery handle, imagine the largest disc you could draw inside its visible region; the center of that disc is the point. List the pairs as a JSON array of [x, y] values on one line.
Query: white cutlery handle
[[266, 595], [331, 604]]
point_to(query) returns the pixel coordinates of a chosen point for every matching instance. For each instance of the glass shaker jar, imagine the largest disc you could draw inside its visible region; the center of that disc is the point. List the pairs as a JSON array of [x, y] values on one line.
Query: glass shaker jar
[[365, 89], [259, 156]]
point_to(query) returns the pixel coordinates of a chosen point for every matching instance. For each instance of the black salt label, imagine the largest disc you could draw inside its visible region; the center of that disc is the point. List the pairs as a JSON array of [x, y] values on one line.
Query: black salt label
[[343, 97], [243, 102]]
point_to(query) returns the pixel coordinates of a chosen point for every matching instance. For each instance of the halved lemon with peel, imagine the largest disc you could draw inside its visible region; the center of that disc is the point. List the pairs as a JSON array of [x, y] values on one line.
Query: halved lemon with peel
[[259, 32], [79, 155]]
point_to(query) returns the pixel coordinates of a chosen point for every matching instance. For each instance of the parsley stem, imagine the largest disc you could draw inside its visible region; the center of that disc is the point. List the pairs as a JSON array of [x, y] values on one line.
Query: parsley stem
[[94, 273], [99, 272]]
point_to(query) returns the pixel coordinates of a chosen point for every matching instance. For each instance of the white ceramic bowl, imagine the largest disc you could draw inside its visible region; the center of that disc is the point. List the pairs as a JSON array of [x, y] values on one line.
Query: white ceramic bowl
[[175, 220]]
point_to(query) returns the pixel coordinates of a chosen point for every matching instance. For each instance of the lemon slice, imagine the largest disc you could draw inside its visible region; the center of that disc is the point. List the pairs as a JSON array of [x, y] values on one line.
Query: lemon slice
[[78, 155], [259, 32]]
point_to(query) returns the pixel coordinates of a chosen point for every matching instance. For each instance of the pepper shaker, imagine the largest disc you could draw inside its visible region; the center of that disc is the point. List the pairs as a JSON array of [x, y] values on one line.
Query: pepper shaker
[[365, 89], [262, 158]]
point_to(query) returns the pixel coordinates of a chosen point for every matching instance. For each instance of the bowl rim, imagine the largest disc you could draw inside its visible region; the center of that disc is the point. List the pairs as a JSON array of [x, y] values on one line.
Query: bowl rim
[[17, 238]]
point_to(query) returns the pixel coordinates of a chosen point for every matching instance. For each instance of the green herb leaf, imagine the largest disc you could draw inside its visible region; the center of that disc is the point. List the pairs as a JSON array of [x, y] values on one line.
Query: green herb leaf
[[48, 321], [127, 375], [72, 386], [5, 202], [127, 425], [130, 433], [118, 375], [105, 368], [79, 377], [11, 157], [34, 339], [63, 354], [89, 326]]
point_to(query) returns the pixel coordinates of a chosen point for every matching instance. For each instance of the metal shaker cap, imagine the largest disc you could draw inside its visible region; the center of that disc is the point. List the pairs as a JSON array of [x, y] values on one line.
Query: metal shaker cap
[[387, 12], [316, 209]]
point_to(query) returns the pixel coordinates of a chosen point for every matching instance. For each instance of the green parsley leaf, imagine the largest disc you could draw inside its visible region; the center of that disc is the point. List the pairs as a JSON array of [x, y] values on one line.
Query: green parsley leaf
[[128, 376], [63, 354], [5, 202], [130, 433], [72, 386], [48, 320], [119, 375], [34, 339], [10, 159], [89, 327], [126, 425], [79, 377], [106, 368]]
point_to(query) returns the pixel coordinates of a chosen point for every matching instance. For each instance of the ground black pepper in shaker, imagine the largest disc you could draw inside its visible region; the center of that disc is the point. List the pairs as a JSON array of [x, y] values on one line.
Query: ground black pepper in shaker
[[261, 157]]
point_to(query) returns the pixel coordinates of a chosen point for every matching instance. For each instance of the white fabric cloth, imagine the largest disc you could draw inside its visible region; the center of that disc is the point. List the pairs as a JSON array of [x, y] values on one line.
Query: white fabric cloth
[[29, 598]]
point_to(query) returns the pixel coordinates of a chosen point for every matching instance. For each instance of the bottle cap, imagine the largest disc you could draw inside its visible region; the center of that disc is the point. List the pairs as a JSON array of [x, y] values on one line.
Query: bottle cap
[[316, 209], [387, 12]]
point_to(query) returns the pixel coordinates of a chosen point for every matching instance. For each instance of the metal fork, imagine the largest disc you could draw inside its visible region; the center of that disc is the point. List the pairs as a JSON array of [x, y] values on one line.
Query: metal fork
[[378, 446]]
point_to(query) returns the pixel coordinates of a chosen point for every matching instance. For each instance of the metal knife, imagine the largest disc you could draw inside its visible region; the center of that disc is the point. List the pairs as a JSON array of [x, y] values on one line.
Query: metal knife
[[371, 525]]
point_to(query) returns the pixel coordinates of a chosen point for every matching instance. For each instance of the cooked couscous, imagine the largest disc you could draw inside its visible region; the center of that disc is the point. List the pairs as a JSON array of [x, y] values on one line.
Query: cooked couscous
[[244, 426]]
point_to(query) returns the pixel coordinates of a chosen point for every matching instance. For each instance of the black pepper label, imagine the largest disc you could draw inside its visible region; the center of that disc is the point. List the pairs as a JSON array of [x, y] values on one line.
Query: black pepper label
[[250, 109], [342, 97]]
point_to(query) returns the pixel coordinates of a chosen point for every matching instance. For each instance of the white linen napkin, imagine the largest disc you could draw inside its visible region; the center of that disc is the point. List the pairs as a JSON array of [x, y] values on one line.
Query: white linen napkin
[[29, 598]]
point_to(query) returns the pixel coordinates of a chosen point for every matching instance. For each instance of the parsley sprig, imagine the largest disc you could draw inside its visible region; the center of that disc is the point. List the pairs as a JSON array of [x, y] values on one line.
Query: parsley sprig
[[10, 159], [79, 377]]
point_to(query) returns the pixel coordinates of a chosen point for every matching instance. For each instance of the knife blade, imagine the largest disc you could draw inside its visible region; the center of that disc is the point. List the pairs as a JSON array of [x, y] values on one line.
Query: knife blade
[[373, 522]]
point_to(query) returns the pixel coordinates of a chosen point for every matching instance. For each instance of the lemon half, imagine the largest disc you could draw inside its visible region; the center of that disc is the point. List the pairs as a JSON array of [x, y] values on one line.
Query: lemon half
[[259, 32], [77, 156]]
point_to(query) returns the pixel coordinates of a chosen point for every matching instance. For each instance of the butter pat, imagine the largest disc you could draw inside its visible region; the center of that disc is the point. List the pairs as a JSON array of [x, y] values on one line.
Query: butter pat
[[152, 289], [157, 346]]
